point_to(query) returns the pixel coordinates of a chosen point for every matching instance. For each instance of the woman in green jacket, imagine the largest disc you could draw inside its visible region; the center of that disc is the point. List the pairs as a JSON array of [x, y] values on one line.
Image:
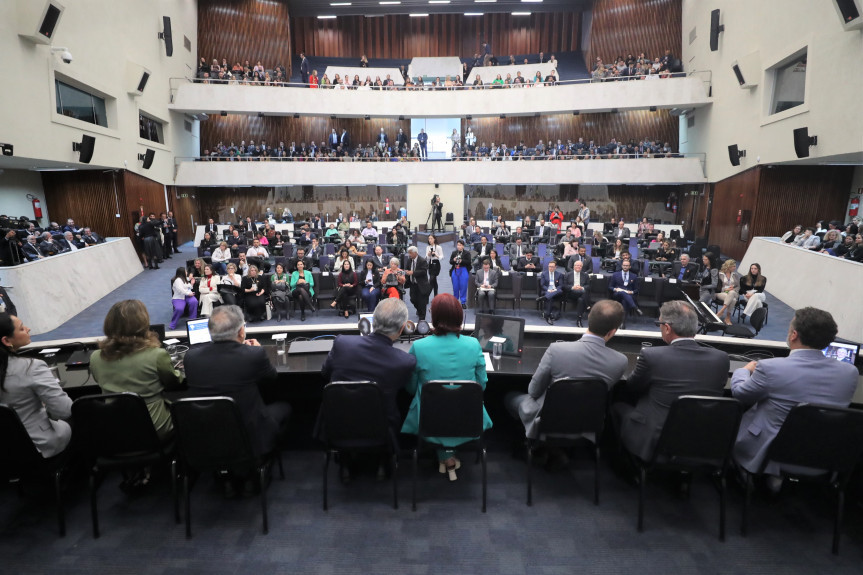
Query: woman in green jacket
[[303, 288]]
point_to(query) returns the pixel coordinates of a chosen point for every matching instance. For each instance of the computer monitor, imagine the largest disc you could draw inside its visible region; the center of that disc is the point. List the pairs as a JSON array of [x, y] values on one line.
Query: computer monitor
[[842, 351], [159, 330], [198, 331], [511, 329]]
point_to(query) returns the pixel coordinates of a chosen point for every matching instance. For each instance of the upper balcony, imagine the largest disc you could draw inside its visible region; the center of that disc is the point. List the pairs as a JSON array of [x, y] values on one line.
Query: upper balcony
[[684, 91]]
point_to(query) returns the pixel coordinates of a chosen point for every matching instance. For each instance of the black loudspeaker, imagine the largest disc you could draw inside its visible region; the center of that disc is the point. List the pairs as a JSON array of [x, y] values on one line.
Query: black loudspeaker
[[167, 37], [848, 10], [715, 29], [738, 74], [8, 149], [734, 154], [143, 82], [85, 148], [147, 158], [802, 141], [49, 22]]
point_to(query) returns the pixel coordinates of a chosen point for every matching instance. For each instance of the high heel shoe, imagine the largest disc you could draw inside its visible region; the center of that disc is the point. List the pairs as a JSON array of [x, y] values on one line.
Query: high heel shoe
[[454, 462]]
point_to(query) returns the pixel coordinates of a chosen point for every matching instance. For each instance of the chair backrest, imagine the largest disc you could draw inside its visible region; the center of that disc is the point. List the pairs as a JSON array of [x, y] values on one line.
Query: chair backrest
[[504, 284], [114, 424], [699, 429], [504, 262], [354, 414], [324, 262], [449, 218], [451, 409], [574, 406], [819, 436], [211, 434], [757, 319], [18, 455]]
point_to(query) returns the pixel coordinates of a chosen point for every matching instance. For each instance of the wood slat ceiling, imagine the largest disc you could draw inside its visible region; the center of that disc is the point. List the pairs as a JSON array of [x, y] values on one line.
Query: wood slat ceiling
[[314, 8]]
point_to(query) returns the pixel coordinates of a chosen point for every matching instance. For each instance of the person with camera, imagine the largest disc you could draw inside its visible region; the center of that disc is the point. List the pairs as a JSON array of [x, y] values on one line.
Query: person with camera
[[434, 254], [437, 209], [459, 262]]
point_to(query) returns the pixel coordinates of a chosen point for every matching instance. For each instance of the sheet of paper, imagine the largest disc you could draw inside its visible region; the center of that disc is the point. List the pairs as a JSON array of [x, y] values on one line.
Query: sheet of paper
[[46, 351], [488, 364], [497, 339], [280, 336], [171, 341]]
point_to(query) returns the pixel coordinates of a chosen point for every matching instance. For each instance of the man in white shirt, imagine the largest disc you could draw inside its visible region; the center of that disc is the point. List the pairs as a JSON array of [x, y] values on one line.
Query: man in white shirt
[[369, 232]]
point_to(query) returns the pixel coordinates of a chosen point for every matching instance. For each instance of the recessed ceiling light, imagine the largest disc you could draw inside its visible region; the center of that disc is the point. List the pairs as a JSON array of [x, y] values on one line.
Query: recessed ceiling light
[[439, 1], [388, 3], [534, 1], [326, 17], [473, 13], [418, 15], [485, 1], [340, 3], [521, 13]]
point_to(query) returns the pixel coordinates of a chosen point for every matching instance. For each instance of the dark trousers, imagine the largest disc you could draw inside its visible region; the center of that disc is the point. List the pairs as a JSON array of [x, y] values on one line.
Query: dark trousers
[[580, 299], [420, 301]]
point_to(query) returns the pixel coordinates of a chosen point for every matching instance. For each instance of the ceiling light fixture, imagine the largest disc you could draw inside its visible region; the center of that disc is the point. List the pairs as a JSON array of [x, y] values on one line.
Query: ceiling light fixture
[[328, 17], [473, 13], [418, 15], [521, 13], [340, 3]]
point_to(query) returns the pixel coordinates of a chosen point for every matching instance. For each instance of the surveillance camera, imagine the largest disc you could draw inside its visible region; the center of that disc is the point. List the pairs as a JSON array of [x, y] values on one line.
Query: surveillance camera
[[65, 54]]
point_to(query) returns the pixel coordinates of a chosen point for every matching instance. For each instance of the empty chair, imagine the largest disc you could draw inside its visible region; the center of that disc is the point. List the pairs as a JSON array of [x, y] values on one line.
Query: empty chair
[[450, 409], [573, 410], [211, 437], [509, 289], [815, 443], [115, 431], [699, 433], [354, 419]]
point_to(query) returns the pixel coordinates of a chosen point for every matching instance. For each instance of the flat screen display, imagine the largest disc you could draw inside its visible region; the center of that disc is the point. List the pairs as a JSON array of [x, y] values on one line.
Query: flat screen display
[[198, 331], [511, 329], [842, 351]]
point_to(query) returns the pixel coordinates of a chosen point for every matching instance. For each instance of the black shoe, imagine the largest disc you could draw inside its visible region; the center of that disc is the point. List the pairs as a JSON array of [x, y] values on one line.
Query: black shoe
[[150, 268], [623, 325], [549, 321], [177, 252], [345, 474], [578, 323], [157, 267], [303, 316], [638, 311]]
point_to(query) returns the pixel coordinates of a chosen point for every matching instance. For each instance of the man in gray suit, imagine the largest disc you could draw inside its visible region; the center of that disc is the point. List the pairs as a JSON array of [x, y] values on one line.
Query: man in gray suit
[[486, 285], [774, 386], [576, 286], [662, 374], [622, 232], [587, 358]]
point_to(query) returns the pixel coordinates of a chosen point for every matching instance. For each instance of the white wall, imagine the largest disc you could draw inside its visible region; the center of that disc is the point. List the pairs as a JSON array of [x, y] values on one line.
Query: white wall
[[758, 35], [213, 98], [102, 35], [14, 187], [273, 173], [419, 202]]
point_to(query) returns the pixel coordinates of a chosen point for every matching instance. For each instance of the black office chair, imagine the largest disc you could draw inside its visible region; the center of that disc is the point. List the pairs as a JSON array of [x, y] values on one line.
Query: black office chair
[[699, 433], [573, 410], [354, 418], [115, 431], [826, 442], [20, 460], [451, 409], [509, 289], [212, 437]]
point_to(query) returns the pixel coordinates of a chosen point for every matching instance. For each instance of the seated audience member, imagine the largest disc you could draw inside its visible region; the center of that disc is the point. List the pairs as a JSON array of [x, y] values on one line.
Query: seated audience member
[[243, 265], [235, 240], [71, 243], [482, 250], [232, 294], [183, 296], [71, 227], [260, 254], [551, 284], [624, 287], [32, 390], [752, 289], [845, 247], [300, 257], [634, 265], [370, 233], [346, 287], [90, 238], [576, 287], [586, 261], [49, 247], [658, 379], [208, 288], [666, 253], [486, 285], [683, 270], [587, 358], [370, 280], [708, 278], [392, 280], [517, 250], [233, 366], [792, 236], [379, 259], [131, 358], [220, 257], [341, 259], [446, 355], [529, 263], [208, 244], [621, 232], [255, 296], [808, 240], [832, 240], [31, 250], [476, 236], [773, 386], [728, 289], [303, 288], [855, 253]]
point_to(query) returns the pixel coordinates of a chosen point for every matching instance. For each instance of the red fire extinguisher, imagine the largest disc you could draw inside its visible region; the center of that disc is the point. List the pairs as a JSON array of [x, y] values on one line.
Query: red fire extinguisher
[[388, 207], [854, 207], [37, 206], [739, 216]]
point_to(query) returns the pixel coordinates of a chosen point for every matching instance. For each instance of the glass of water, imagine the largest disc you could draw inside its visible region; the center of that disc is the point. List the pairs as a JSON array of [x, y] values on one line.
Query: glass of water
[[496, 350]]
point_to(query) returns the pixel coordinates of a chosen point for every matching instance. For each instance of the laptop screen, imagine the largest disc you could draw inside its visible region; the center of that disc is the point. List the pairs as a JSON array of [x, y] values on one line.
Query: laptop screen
[[198, 331], [843, 351]]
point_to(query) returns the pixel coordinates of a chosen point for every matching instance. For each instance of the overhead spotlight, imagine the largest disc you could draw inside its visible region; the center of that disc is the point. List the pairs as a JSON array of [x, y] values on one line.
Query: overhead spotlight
[[614, 110], [8, 149], [296, 115], [260, 114], [401, 118], [503, 116], [223, 113], [468, 117], [332, 117], [653, 108], [367, 118], [576, 112]]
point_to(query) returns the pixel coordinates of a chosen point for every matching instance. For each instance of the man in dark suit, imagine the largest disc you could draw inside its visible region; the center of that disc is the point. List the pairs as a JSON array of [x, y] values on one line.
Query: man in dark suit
[[235, 241], [634, 265], [529, 263], [333, 140], [662, 374], [486, 287], [383, 140], [551, 291], [624, 287], [249, 225], [581, 256], [301, 255], [232, 366], [577, 288], [682, 271], [418, 281], [345, 140], [517, 250], [30, 249], [401, 140], [305, 68], [10, 251], [49, 247], [211, 227], [422, 139]]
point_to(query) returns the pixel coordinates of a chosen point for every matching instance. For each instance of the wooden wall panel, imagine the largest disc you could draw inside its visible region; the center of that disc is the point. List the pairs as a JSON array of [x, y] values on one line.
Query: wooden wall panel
[[142, 194], [621, 27], [184, 204], [731, 195], [87, 196], [240, 30], [235, 128], [601, 128], [400, 36]]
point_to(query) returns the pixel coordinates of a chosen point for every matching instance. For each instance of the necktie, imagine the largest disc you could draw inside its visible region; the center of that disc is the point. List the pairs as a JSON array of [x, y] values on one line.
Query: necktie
[[682, 271], [625, 278]]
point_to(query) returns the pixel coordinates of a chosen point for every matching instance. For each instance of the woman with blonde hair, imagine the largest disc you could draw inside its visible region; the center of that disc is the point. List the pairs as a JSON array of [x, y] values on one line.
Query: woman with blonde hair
[[729, 283]]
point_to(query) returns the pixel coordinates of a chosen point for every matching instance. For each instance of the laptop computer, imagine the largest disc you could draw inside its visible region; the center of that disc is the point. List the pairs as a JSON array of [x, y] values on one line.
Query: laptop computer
[[198, 331]]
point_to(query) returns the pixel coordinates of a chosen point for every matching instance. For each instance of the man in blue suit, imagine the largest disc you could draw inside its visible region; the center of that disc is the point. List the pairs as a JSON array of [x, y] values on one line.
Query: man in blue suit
[[423, 139], [551, 288], [624, 288], [774, 386]]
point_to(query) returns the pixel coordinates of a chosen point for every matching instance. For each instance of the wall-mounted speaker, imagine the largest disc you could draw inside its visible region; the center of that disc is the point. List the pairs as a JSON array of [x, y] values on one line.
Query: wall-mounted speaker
[[85, 148], [8, 149], [734, 154], [715, 29], [165, 35], [147, 158], [136, 78], [738, 74], [37, 21], [802, 141], [849, 12], [747, 70]]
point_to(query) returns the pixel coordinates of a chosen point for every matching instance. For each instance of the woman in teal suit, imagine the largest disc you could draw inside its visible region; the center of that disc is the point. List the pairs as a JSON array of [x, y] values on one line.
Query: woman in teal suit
[[446, 355], [303, 288]]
